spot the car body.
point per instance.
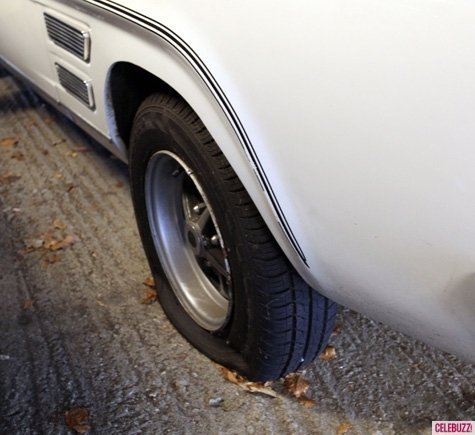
(350, 124)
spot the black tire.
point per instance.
(274, 322)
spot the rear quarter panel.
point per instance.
(360, 114)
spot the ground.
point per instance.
(79, 348)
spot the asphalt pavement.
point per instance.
(80, 351)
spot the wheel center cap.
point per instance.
(194, 237)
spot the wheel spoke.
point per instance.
(187, 207)
(215, 264)
(203, 218)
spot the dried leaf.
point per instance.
(18, 155)
(307, 402)
(70, 188)
(27, 304)
(58, 174)
(149, 297)
(8, 142)
(241, 381)
(328, 354)
(32, 244)
(48, 242)
(260, 387)
(8, 177)
(230, 375)
(59, 225)
(337, 330)
(296, 385)
(149, 282)
(65, 243)
(76, 419)
(51, 259)
(343, 428)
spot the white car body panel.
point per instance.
(360, 115)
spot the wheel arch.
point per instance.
(128, 85)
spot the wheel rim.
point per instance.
(188, 240)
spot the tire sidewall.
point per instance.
(158, 129)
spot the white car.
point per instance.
(276, 149)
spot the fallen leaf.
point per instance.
(337, 330)
(58, 174)
(49, 242)
(241, 381)
(149, 297)
(8, 177)
(59, 225)
(8, 142)
(296, 385)
(33, 244)
(230, 375)
(343, 428)
(51, 259)
(70, 188)
(27, 304)
(18, 155)
(149, 282)
(62, 244)
(260, 387)
(307, 402)
(76, 419)
(328, 354)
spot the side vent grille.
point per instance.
(76, 86)
(69, 38)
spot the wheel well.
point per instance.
(129, 85)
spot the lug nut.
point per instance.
(198, 208)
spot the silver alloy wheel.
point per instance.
(188, 240)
